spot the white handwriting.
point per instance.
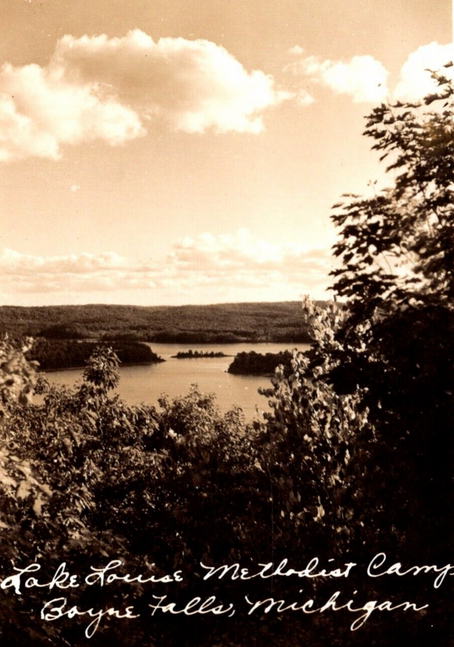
(193, 607)
(375, 569)
(311, 570)
(308, 607)
(61, 579)
(55, 609)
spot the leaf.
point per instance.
(24, 489)
(38, 505)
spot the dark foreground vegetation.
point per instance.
(252, 363)
(353, 464)
(226, 323)
(70, 353)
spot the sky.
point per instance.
(176, 152)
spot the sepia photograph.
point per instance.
(226, 323)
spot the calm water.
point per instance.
(174, 376)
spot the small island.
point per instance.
(252, 363)
(197, 354)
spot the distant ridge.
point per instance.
(217, 323)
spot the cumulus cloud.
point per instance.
(415, 80)
(366, 80)
(194, 85)
(95, 87)
(40, 111)
(362, 77)
(209, 262)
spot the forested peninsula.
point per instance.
(69, 353)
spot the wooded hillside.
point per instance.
(233, 322)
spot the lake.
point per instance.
(144, 384)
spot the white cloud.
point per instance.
(39, 111)
(415, 81)
(74, 188)
(366, 80)
(244, 252)
(296, 50)
(362, 77)
(112, 88)
(194, 85)
(15, 262)
(303, 98)
(206, 262)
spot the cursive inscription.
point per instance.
(310, 606)
(267, 570)
(34, 576)
(58, 608)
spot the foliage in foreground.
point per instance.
(355, 456)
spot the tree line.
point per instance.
(222, 323)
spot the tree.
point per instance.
(397, 276)
(366, 415)
(306, 442)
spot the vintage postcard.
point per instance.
(226, 323)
